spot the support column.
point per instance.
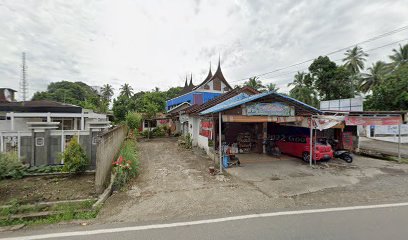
(1, 142)
(399, 142)
(311, 140)
(220, 139)
(19, 146)
(265, 135)
(12, 121)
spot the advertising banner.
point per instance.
(206, 128)
(364, 121)
(270, 109)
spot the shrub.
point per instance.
(75, 159)
(10, 166)
(127, 164)
(133, 120)
(145, 133)
(159, 131)
(186, 141)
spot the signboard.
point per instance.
(347, 140)
(206, 128)
(349, 104)
(39, 141)
(364, 121)
(270, 109)
(390, 130)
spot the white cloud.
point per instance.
(156, 43)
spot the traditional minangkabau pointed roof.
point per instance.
(185, 84)
(191, 81)
(218, 74)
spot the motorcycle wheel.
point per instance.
(347, 158)
(306, 157)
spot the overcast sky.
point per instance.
(156, 43)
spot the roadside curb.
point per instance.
(106, 194)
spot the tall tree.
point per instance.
(373, 77)
(271, 87)
(392, 93)
(126, 90)
(354, 60)
(303, 89)
(107, 92)
(330, 79)
(254, 82)
(354, 63)
(400, 56)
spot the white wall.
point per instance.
(203, 143)
(388, 133)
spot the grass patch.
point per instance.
(27, 214)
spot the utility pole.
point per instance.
(23, 81)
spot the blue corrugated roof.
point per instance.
(239, 100)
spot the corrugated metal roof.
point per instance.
(239, 100)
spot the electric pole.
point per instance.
(23, 82)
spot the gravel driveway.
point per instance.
(174, 184)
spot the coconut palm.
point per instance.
(303, 90)
(374, 76)
(126, 90)
(107, 92)
(254, 82)
(354, 60)
(271, 87)
(400, 56)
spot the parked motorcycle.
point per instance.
(340, 153)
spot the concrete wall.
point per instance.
(108, 146)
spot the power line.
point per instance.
(336, 60)
(331, 53)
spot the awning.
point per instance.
(259, 119)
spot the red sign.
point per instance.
(374, 121)
(206, 128)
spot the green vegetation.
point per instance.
(77, 93)
(11, 166)
(185, 141)
(133, 120)
(55, 213)
(149, 103)
(127, 164)
(75, 159)
(385, 83)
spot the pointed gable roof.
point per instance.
(218, 74)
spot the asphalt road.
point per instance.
(384, 147)
(378, 222)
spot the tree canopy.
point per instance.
(76, 93)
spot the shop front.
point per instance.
(245, 125)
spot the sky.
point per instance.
(157, 43)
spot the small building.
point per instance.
(39, 130)
(212, 86)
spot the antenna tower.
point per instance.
(23, 82)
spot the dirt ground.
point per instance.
(47, 188)
(175, 185)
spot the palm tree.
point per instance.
(374, 76)
(254, 82)
(271, 87)
(126, 90)
(354, 60)
(107, 92)
(400, 56)
(303, 90)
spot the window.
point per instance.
(153, 123)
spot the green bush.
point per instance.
(127, 164)
(75, 159)
(133, 120)
(159, 131)
(10, 166)
(186, 141)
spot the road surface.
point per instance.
(388, 148)
(360, 222)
